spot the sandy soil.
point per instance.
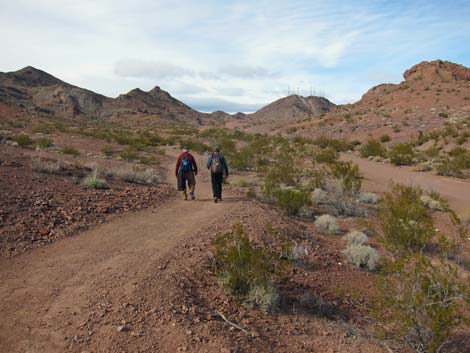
(379, 176)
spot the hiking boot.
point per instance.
(193, 197)
(216, 199)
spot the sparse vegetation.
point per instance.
(93, 181)
(246, 270)
(23, 140)
(327, 225)
(405, 223)
(373, 148)
(402, 154)
(70, 150)
(362, 256)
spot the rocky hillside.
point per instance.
(290, 109)
(37, 90)
(433, 95)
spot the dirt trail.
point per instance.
(378, 177)
(47, 293)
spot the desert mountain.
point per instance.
(292, 108)
(37, 90)
(432, 95)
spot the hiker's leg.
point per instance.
(191, 183)
(214, 184)
(221, 185)
(218, 193)
(184, 195)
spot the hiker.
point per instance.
(186, 171)
(218, 167)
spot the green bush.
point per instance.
(402, 154)
(44, 142)
(107, 150)
(70, 150)
(93, 181)
(327, 155)
(404, 220)
(349, 176)
(129, 154)
(292, 200)
(372, 148)
(23, 140)
(385, 138)
(245, 268)
(419, 303)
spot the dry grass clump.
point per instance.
(134, 175)
(47, 166)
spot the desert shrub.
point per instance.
(327, 155)
(419, 302)
(246, 270)
(44, 142)
(282, 174)
(264, 297)
(385, 138)
(251, 193)
(292, 200)
(402, 154)
(135, 175)
(46, 166)
(327, 224)
(430, 203)
(242, 182)
(372, 148)
(404, 220)
(341, 202)
(362, 256)
(107, 150)
(355, 238)
(148, 160)
(449, 167)
(23, 140)
(70, 150)
(319, 196)
(338, 145)
(129, 154)
(93, 181)
(368, 197)
(349, 176)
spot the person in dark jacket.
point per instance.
(186, 171)
(218, 167)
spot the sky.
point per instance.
(232, 55)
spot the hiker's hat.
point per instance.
(185, 148)
(217, 149)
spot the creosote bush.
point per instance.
(247, 270)
(70, 150)
(419, 302)
(327, 224)
(23, 140)
(292, 200)
(135, 175)
(402, 154)
(404, 220)
(373, 148)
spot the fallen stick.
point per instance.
(230, 322)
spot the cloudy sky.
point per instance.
(232, 55)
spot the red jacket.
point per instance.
(191, 160)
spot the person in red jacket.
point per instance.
(186, 171)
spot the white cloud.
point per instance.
(150, 69)
(226, 51)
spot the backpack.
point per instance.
(216, 165)
(186, 164)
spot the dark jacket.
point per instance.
(222, 160)
(191, 160)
